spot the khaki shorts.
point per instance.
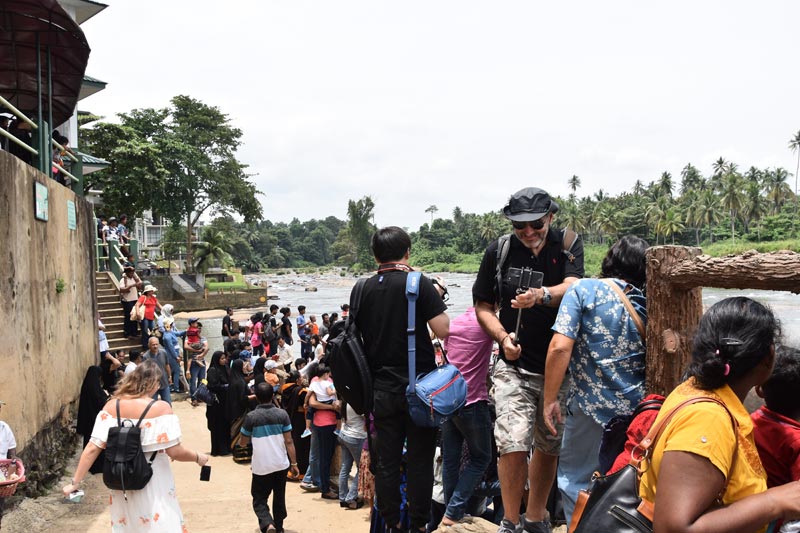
(519, 401)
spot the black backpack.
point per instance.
(348, 360)
(126, 467)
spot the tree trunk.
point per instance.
(774, 271)
(189, 267)
(697, 235)
(672, 316)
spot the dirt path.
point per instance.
(222, 505)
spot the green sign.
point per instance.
(40, 197)
(72, 222)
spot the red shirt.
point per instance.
(149, 303)
(193, 335)
(778, 441)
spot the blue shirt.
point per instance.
(608, 359)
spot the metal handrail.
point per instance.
(65, 151)
(16, 112)
(67, 174)
(11, 137)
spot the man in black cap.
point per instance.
(519, 372)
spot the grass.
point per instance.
(727, 247)
(238, 283)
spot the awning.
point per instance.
(21, 21)
(92, 163)
(90, 86)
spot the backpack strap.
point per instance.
(571, 237)
(119, 420)
(149, 405)
(629, 306)
(412, 293)
(503, 245)
(355, 300)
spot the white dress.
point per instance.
(154, 508)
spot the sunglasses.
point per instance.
(536, 224)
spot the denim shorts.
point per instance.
(519, 401)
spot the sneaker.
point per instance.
(542, 526)
(336, 432)
(306, 433)
(309, 487)
(506, 526)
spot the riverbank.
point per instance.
(222, 504)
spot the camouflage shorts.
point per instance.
(519, 401)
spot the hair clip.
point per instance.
(727, 369)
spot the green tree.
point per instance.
(212, 251)
(794, 145)
(360, 229)
(432, 210)
(173, 243)
(574, 183)
(670, 224)
(776, 188)
(732, 198)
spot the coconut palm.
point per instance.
(212, 251)
(709, 211)
(794, 145)
(691, 179)
(732, 198)
(432, 210)
(776, 188)
(693, 214)
(665, 184)
(670, 224)
(574, 183)
(754, 207)
(490, 227)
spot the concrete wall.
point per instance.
(47, 339)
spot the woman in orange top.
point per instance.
(704, 476)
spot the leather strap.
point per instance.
(628, 305)
(657, 429)
(412, 293)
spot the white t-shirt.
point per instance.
(130, 367)
(320, 388)
(7, 440)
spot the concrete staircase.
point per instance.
(111, 312)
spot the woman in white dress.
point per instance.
(154, 508)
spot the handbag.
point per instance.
(203, 394)
(436, 396)
(137, 317)
(612, 503)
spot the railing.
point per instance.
(43, 150)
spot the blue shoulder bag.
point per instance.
(436, 396)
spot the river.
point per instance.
(333, 291)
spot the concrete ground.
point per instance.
(221, 505)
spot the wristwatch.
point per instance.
(546, 296)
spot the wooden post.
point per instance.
(675, 277)
(672, 316)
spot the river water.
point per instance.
(332, 291)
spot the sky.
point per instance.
(461, 103)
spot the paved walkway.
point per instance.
(222, 505)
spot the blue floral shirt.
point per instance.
(608, 359)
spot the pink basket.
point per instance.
(8, 488)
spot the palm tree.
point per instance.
(671, 224)
(432, 210)
(776, 188)
(709, 211)
(665, 184)
(691, 179)
(638, 188)
(732, 198)
(213, 250)
(754, 207)
(794, 145)
(694, 211)
(574, 183)
(490, 227)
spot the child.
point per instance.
(245, 354)
(271, 375)
(323, 388)
(777, 424)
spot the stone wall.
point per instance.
(47, 327)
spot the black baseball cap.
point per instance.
(529, 204)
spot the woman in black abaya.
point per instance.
(218, 423)
(237, 401)
(92, 400)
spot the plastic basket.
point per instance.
(8, 488)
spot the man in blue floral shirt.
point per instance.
(598, 339)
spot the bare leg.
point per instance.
(511, 471)
(541, 474)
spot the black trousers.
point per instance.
(131, 327)
(393, 426)
(260, 489)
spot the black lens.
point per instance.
(536, 224)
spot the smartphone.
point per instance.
(205, 473)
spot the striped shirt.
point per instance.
(265, 425)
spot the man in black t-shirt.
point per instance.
(519, 372)
(227, 325)
(382, 319)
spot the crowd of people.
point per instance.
(548, 364)
(21, 130)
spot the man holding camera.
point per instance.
(537, 267)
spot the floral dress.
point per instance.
(154, 508)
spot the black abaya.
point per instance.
(218, 424)
(92, 400)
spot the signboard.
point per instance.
(72, 222)
(40, 199)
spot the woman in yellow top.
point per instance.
(699, 458)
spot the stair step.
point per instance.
(124, 344)
(106, 298)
